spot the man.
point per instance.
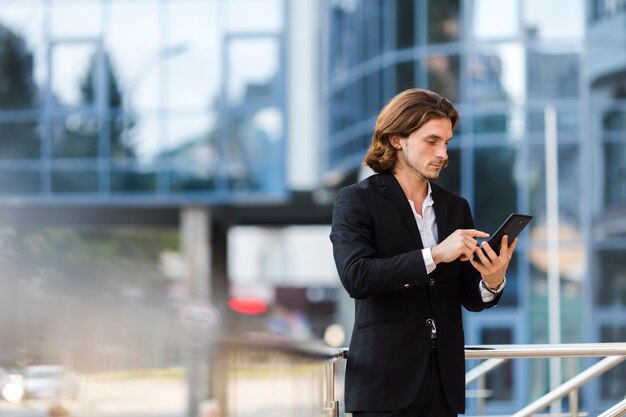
(404, 251)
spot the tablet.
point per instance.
(511, 227)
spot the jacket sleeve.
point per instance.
(363, 272)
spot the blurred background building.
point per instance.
(154, 152)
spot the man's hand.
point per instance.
(460, 244)
(493, 267)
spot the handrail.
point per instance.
(545, 350)
(496, 355)
(574, 383)
(617, 410)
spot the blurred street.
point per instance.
(113, 398)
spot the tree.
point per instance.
(17, 92)
(80, 139)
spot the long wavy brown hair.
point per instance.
(402, 115)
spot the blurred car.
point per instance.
(50, 381)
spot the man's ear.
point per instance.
(394, 140)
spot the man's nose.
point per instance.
(442, 151)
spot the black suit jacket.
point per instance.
(377, 250)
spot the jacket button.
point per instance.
(432, 282)
(429, 322)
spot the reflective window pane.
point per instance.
(405, 76)
(610, 275)
(500, 381)
(568, 178)
(443, 21)
(193, 70)
(539, 15)
(495, 19)
(405, 24)
(450, 177)
(443, 76)
(20, 179)
(70, 178)
(253, 66)
(495, 186)
(495, 73)
(19, 140)
(86, 18)
(252, 15)
(553, 75)
(613, 383)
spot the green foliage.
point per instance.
(17, 92)
(80, 139)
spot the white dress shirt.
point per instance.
(427, 225)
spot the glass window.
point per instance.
(128, 177)
(193, 68)
(450, 177)
(19, 140)
(568, 178)
(613, 172)
(374, 28)
(610, 272)
(405, 24)
(405, 76)
(74, 178)
(539, 16)
(253, 69)
(497, 73)
(70, 19)
(491, 123)
(253, 15)
(499, 381)
(443, 21)
(75, 136)
(495, 19)
(24, 179)
(74, 79)
(552, 75)
(495, 186)
(443, 76)
(133, 36)
(613, 383)
(373, 93)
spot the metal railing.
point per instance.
(496, 355)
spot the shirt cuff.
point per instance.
(429, 262)
(484, 294)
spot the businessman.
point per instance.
(404, 249)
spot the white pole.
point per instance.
(552, 229)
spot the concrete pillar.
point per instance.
(194, 231)
(195, 239)
(204, 248)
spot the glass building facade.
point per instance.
(503, 63)
(149, 101)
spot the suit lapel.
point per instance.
(392, 190)
(441, 214)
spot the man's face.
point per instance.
(424, 152)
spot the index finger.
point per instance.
(476, 233)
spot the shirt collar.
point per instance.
(428, 201)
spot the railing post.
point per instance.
(573, 403)
(481, 400)
(331, 407)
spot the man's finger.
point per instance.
(489, 251)
(476, 233)
(481, 255)
(504, 247)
